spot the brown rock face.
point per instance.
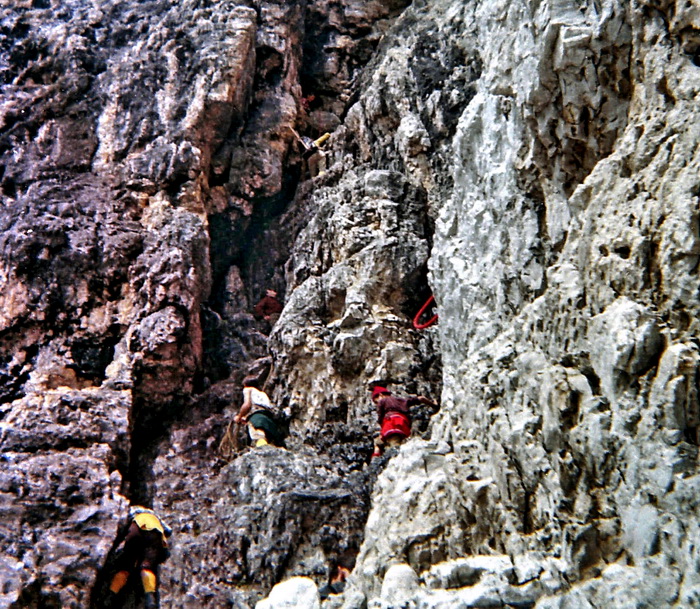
(148, 156)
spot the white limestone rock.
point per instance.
(399, 587)
(625, 338)
(561, 263)
(294, 593)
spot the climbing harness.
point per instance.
(416, 320)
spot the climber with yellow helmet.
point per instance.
(145, 547)
(312, 152)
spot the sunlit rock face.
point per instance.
(533, 165)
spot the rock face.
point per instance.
(532, 165)
(553, 252)
(267, 513)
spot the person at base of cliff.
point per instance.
(337, 583)
(145, 547)
(257, 411)
(394, 416)
(268, 308)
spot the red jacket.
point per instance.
(391, 403)
(267, 306)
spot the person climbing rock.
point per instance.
(145, 547)
(258, 412)
(337, 583)
(268, 308)
(394, 416)
(314, 155)
(307, 102)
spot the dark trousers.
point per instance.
(142, 550)
(263, 421)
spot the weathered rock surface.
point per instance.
(564, 455)
(268, 513)
(295, 592)
(534, 165)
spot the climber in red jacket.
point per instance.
(394, 416)
(268, 308)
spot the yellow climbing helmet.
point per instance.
(147, 520)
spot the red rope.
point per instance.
(416, 320)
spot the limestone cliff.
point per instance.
(532, 164)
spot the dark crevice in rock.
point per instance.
(252, 248)
(92, 354)
(266, 242)
(14, 370)
(149, 430)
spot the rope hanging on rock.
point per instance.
(228, 446)
(416, 320)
